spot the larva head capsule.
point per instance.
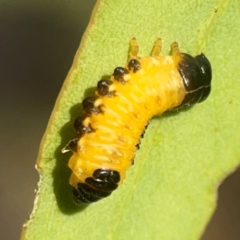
(196, 73)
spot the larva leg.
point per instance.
(157, 48)
(176, 53)
(134, 48)
(175, 49)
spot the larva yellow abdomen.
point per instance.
(114, 118)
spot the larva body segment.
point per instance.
(113, 119)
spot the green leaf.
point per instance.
(170, 192)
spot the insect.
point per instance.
(113, 119)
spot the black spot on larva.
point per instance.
(196, 74)
(119, 73)
(81, 196)
(89, 105)
(78, 121)
(87, 194)
(101, 185)
(80, 128)
(73, 144)
(84, 188)
(134, 65)
(84, 130)
(103, 87)
(106, 175)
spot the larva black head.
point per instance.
(196, 73)
(100, 185)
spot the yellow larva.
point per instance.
(113, 119)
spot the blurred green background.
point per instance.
(37, 45)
